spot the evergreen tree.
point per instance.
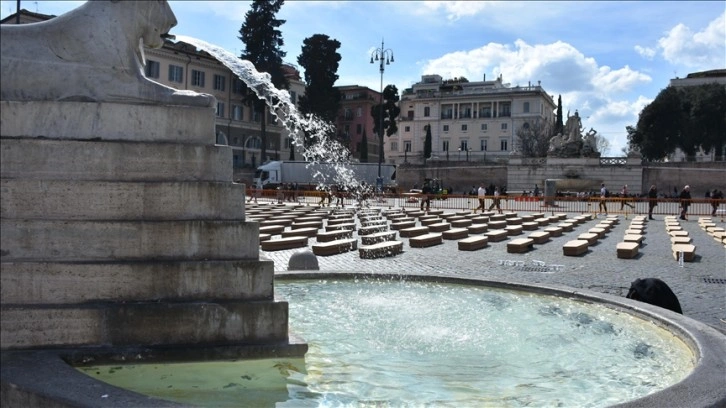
(559, 124)
(427, 142)
(320, 60)
(263, 43)
(390, 113)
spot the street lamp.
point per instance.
(383, 55)
(467, 153)
(458, 158)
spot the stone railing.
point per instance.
(613, 161)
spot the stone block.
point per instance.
(373, 229)
(473, 243)
(399, 225)
(413, 231)
(439, 227)
(478, 228)
(520, 245)
(380, 250)
(426, 240)
(305, 232)
(378, 237)
(284, 243)
(540, 237)
(328, 236)
(575, 247)
(590, 237)
(513, 230)
(554, 231)
(627, 250)
(455, 233)
(688, 250)
(336, 247)
(496, 235)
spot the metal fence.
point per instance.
(581, 205)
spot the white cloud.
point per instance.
(454, 10)
(702, 50)
(645, 52)
(620, 80)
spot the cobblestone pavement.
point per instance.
(700, 285)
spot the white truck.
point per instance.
(309, 175)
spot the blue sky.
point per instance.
(607, 59)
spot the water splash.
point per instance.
(281, 106)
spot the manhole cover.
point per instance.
(715, 280)
(530, 268)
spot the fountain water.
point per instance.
(324, 150)
(400, 342)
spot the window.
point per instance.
(219, 82)
(348, 114)
(503, 145)
(198, 78)
(253, 142)
(407, 128)
(237, 86)
(176, 73)
(485, 111)
(152, 69)
(346, 130)
(505, 109)
(447, 112)
(427, 111)
(446, 128)
(407, 146)
(220, 109)
(464, 128)
(526, 107)
(465, 112)
(464, 145)
(504, 126)
(237, 112)
(359, 112)
(358, 129)
(483, 127)
(288, 143)
(394, 146)
(445, 146)
(256, 116)
(483, 145)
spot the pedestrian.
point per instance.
(716, 195)
(426, 195)
(253, 193)
(602, 207)
(481, 195)
(652, 201)
(536, 190)
(624, 197)
(685, 197)
(495, 201)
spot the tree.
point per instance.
(559, 125)
(533, 139)
(427, 142)
(390, 113)
(320, 60)
(263, 43)
(364, 148)
(689, 118)
(602, 144)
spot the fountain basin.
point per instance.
(702, 387)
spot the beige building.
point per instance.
(474, 121)
(182, 66)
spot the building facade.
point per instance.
(182, 66)
(354, 120)
(470, 121)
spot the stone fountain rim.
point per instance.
(43, 377)
(703, 387)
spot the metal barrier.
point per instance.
(580, 205)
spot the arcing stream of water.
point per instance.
(324, 149)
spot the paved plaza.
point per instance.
(700, 285)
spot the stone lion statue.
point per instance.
(93, 53)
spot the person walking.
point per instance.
(652, 201)
(602, 207)
(716, 196)
(685, 197)
(495, 201)
(481, 195)
(426, 192)
(624, 198)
